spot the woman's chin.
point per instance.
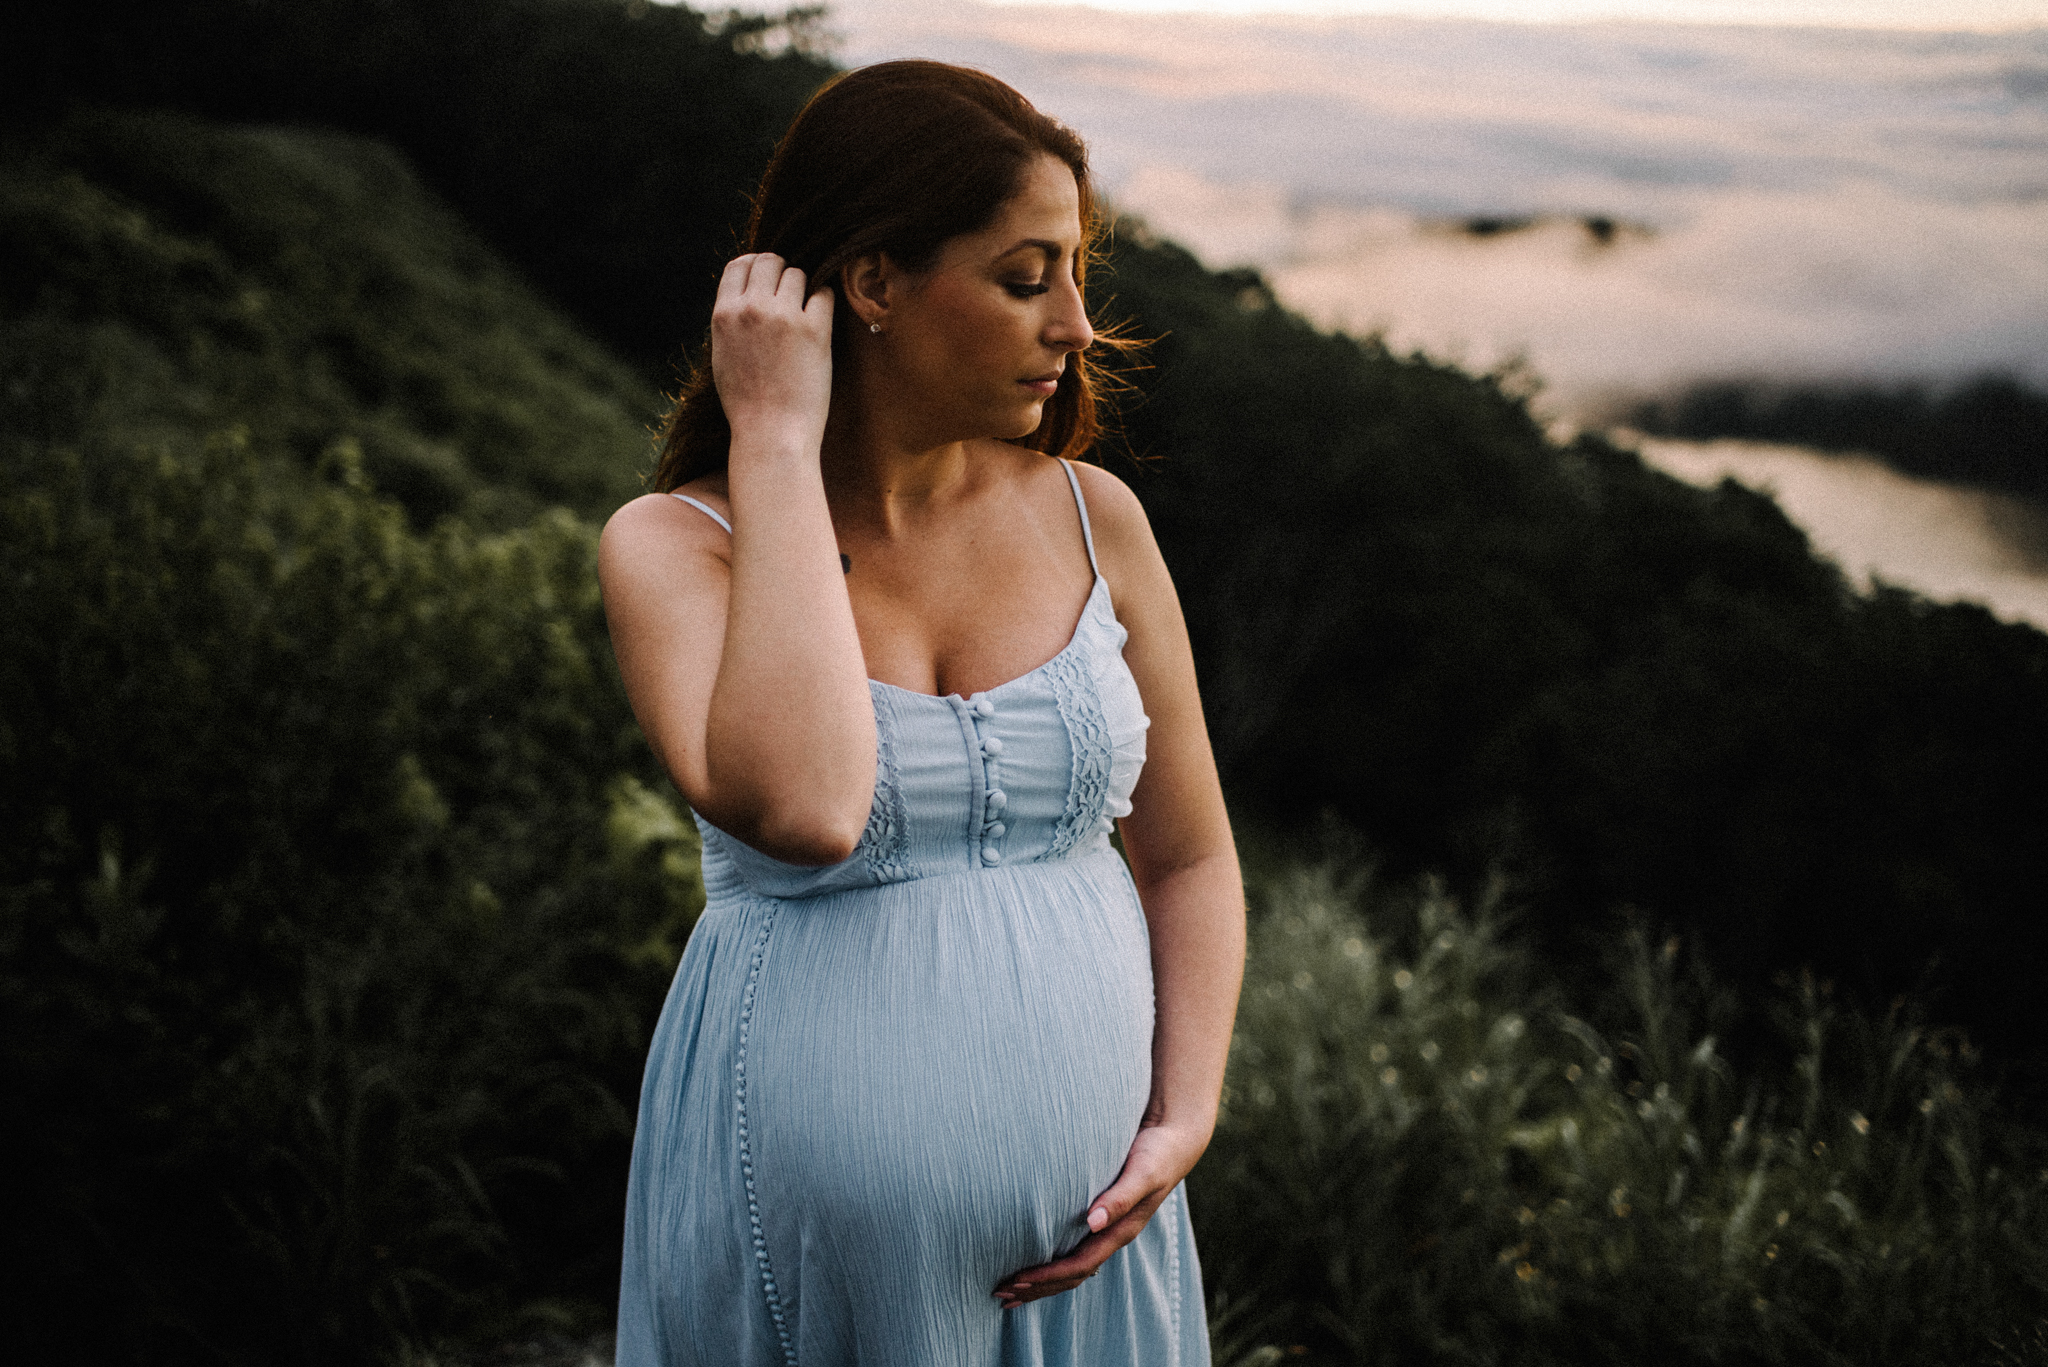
(1025, 423)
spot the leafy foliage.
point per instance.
(605, 146)
(339, 889)
(301, 286)
(1426, 1157)
(345, 900)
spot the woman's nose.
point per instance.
(1069, 329)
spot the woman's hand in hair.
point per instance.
(771, 351)
(740, 654)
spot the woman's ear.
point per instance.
(865, 281)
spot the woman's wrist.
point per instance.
(790, 445)
(1191, 1119)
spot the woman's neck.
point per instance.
(877, 472)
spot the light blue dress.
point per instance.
(878, 1088)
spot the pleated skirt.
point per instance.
(864, 1109)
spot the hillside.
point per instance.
(338, 887)
(165, 274)
(604, 147)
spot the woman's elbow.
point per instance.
(811, 816)
(813, 839)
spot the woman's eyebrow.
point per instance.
(1053, 250)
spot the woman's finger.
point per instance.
(1079, 1265)
(764, 271)
(818, 308)
(734, 280)
(1064, 1274)
(1131, 1186)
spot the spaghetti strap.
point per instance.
(713, 514)
(1081, 504)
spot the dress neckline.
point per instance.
(1073, 639)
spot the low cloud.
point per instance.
(1815, 284)
(1818, 202)
(1662, 203)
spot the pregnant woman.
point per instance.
(936, 1060)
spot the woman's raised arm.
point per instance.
(740, 655)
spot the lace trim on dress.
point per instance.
(1179, 1193)
(885, 843)
(1080, 706)
(768, 1290)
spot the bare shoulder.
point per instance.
(663, 518)
(1123, 534)
(654, 536)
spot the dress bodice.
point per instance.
(1034, 769)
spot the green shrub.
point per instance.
(606, 147)
(340, 897)
(1425, 1156)
(302, 286)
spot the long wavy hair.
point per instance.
(900, 157)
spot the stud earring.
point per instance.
(874, 327)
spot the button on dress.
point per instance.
(879, 1087)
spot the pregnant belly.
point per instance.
(941, 1074)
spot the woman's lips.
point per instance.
(1044, 388)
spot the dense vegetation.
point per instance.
(604, 146)
(1489, 653)
(1427, 1154)
(1991, 432)
(162, 277)
(339, 891)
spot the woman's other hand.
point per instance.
(771, 352)
(1159, 1158)
(1177, 841)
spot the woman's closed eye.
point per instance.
(1027, 289)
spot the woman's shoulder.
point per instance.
(1115, 514)
(654, 527)
(675, 506)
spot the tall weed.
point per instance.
(1426, 1154)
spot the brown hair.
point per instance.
(900, 158)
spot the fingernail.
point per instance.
(1020, 1286)
(1098, 1218)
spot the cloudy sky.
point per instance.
(1822, 202)
(1924, 14)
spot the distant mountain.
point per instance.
(1991, 432)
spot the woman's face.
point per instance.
(978, 341)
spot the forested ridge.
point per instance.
(1991, 431)
(340, 891)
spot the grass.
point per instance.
(1428, 1154)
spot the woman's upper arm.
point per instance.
(666, 574)
(1177, 816)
